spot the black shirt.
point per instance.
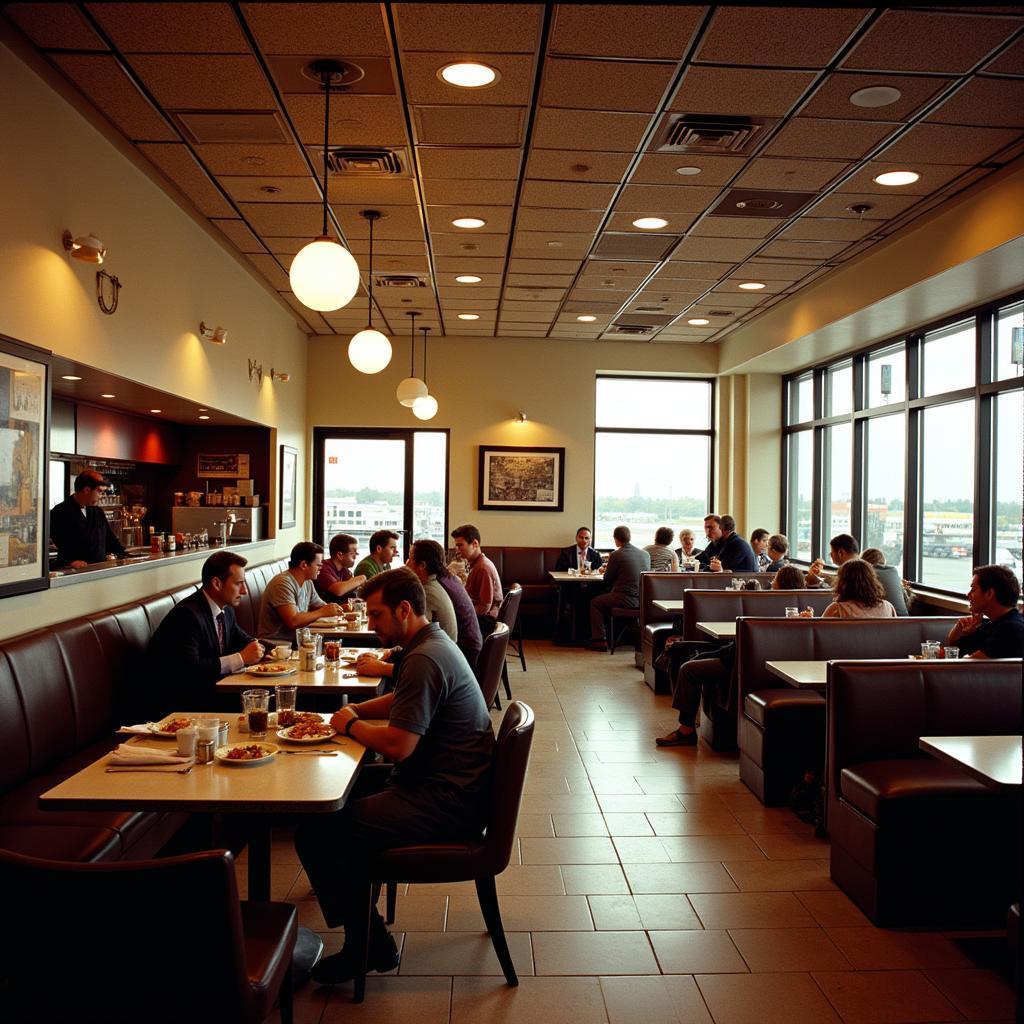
(997, 638)
(81, 538)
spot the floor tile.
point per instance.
(420, 912)
(534, 825)
(615, 913)
(593, 953)
(654, 878)
(425, 1000)
(751, 910)
(641, 850)
(697, 952)
(885, 997)
(579, 1000)
(978, 995)
(626, 824)
(579, 850)
(596, 879)
(832, 909)
(617, 804)
(579, 825)
(654, 1000)
(694, 823)
(790, 846)
(453, 953)
(663, 912)
(523, 913)
(773, 950)
(780, 875)
(683, 849)
(885, 949)
(765, 999)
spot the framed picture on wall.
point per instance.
(24, 440)
(289, 487)
(521, 479)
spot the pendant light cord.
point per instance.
(327, 122)
(424, 330)
(369, 290)
(412, 342)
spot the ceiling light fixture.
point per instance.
(69, 376)
(698, 321)
(108, 396)
(650, 223)
(412, 387)
(467, 74)
(425, 407)
(752, 286)
(468, 223)
(324, 275)
(85, 248)
(156, 410)
(688, 171)
(586, 319)
(875, 96)
(893, 179)
(521, 416)
(468, 279)
(369, 351)
(217, 335)
(204, 417)
(469, 316)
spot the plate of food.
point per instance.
(308, 728)
(245, 754)
(272, 668)
(169, 727)
(329, 620)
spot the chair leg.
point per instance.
(285, 1005)
(519, 643)
(504, 679)
(362, 955)
(392, 893)
(488, 897)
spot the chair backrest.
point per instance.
(491, 660)
(511, 759)
(508, 611)
(115, 965)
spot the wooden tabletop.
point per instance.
(564, 577)
(994, 760)
(805, 675)
(719, 630)
(673, 606)
(308, 783)
(321, 681)
(342, 630)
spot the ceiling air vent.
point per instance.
(398, 281)
(365, 161)
(711, 133)
(632, 329)
(749, 202)
(720, 312)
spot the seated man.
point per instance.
(290, 601)
(695, 677)
(438, 737)
(336, 579)
(759, 545)
(713, 532)
(383, 548)
(778, 550)
(483, 584)
(841, 548)
(199, 640)
(734, 554)
(994, 629)
(429, 557)
(622, 574)
(577, 555)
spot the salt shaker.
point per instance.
(204, 752)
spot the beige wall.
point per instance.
(57, 172)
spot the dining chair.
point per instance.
(508, 612)
(153, 940)
(491, 664)
(479, 860)
(627, 616)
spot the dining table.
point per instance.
(719, 630)
(804, 675)
(342, 682)
(356, 634)
(672, 606)
(992, 760)
(573, 587)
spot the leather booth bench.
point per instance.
(64, 690)
(781, 729)
(916, 841)
(529, 567)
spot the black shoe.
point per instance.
(678, 739)
(341, 967)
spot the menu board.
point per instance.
(223, 467)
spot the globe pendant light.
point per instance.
(412, 387)
(369, 351)
(425, 407)
(324, 274)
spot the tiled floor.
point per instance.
(648, 886)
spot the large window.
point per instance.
(915, 447)
(652, 456)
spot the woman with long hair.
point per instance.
(858, 594)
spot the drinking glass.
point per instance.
(332, 653)
(930, 649)
(303, 637)
(286, 695)
(792, 613)
(186, 739)
(950, 652)
(256, 705)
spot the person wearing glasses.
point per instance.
(79, 527)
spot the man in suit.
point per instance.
(622, 575)
(579, 554)
(199, 640)
(80, 529)
(734, 553)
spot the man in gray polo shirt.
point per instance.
(439, 739)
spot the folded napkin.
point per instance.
(142, 729)
(130, 754)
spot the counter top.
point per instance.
(138, 560)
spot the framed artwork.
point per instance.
(24, 440)
(223, 467)
(521, 479)
(289, 487)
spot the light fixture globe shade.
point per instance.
(425, 408)
(409, 390)
(324, 275)
(369, 351)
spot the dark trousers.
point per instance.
(601, 607)
(691, 681)
(487, 624)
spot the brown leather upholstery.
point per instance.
(491, 662)
(230, 959)
(914, 840)
(508, 613)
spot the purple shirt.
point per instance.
(326, 579)
(470, 638)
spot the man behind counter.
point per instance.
(80, 529)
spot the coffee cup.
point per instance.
(282, 652)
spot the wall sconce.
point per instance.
(280, 375)
(521, 416)
(256, 372)
(218, 335)
(85, 248)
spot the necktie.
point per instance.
(220, 631)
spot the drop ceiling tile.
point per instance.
(776, 275)
(883, 207)
(271, 270)
(567, 195)
(510, 316)
(206, 82)
(252, 159)
(600, 297)
(602, 310)
(610, 132)
(809, 250)
(539, 280)
(604, 85)
(308, 315)
(484, 267)
(655, 32)
(794, 37)
(933, 143)
(102, 81)
(608, 274)
(933, 177)
(470, 126)
(471, 296)
(249, 189)
(822, 138)
(423, 85)
(580, 221)
(830, 229)
(238, 232)
(177, 163)
(285, 246)
(615, 246)
(685, 269)
(739, 91)
(459, 163)
(734, 227)
(349, 30)
(568, 165)
(480, 28)
(529, 305)
(832, 98)
(388, 246)
(715, 249)
(398, 222)
(355, 120)
(985, 102)
(733, 299)
(284, 219)
(664, 200)
(660, 169)
(454, 192)
(560, 244)
(171, 27)
(928, 41)
(371, 192)
(527, 266)
(445, 244)
(498, 219)
(791, 175)
(1009, 62)
(543, 294)
(57, 26)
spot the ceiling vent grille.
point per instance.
(632, 329)
(398, 281)
(711, 133)
(365, 162)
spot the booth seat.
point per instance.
(529, 567)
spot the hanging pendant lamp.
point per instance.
(425, 407)
(412, 387)
(369, 351)
(324, 274)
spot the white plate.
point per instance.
(269, 750)
(162, 732)
(329, 620)
(271, 670)
(283, 734)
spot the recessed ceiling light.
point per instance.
(752, 286)
(554, 245)
(650, 223)
(469, 316)
(156, 410)
(468, 222)
(586, 319)
(894, 178)
(204, 417)
(875, 96)
(468, 74)
(108, 396)
(203, 410)
(698, 321)
(468, 279)
(687, 171)
(69, 376)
